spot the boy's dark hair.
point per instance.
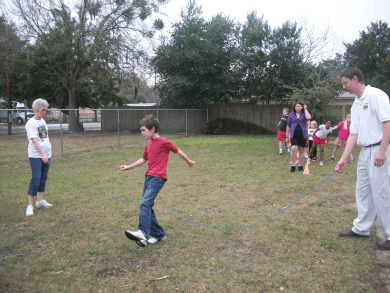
(149, 122)
(351, 72)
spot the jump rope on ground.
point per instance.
(188, 218)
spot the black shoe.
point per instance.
(350, 233)
(383, 246)
(293, 168)
(332, 158)
(300, 168)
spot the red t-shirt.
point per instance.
(156, 153)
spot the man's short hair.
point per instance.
(149, 122)
(351, 72)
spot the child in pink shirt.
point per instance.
(341, 139)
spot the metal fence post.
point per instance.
(186, 123)
(118, 131)
(62, 143)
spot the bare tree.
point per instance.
(93, 37)
(316, 44)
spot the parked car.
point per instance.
(21, 117)
(19, 113)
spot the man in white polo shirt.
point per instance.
(370, 128)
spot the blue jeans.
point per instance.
(39, 173)
(147, 219)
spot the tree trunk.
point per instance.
(8, 82)
(74, 125)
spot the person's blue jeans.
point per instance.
(39, 173)
(147, 219)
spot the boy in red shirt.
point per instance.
(156, 154)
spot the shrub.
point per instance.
(213, 126)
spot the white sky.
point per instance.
(347, 17)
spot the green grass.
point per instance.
(79, 245)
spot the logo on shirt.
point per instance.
(365, 106)
(42, 132)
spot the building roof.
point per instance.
(344, 94)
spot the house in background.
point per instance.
(344, 98)
(344, 101)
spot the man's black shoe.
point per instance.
(383, 246)
(350, 233)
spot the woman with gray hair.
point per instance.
(39, 154)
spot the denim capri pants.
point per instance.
(39, 173)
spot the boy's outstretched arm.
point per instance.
(185, 158)
(134, 165)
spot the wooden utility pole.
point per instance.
(8, 81)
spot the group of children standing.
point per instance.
(316, 135)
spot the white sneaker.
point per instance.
(305, 156)
(154, 240)
(308, 161)
(43, 203)
(137, 236)
(30, 211)
(321, 163)
(296, 162)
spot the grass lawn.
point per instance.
(79, 245)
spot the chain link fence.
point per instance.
(66, 125)
(74, 131)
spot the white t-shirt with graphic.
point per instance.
(311, 132)
(323, 132)
(37, 129)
